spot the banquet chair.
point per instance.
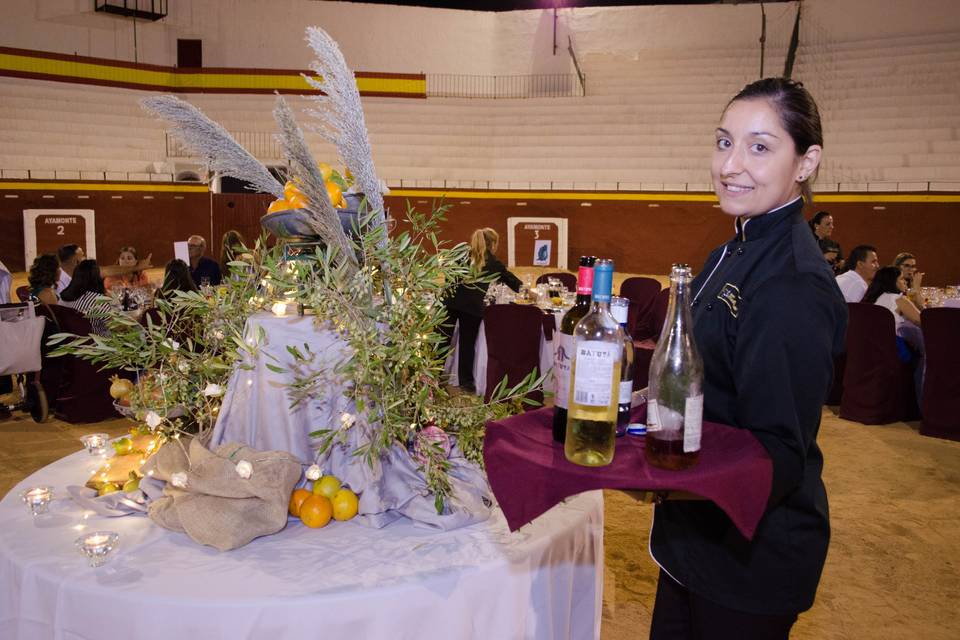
(643, 349)
(76, 389)
(513, 344)
(940, 404)
(642, 293)
(568, 279)
(877, 386)
(23, 293)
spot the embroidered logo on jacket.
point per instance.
(730, 296)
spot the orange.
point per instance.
(316, 511)
(290, 189)
(345, 504)
(325, 170)
(296, 501)
(336, 195)
(326, 486)
(297, 201)
(278, 205)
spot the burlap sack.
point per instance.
(217, 506)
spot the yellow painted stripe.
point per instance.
(653, 197)
(173, 79)
(101, 186)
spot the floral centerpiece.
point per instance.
(381, 293)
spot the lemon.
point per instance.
(326, 486)
(345, 504)
(123, 446)
(108, 487)
(315, 511)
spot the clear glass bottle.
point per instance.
(675, 394)
(619, 308)
(595, 378)
(563, 346)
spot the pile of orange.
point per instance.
(327, 499)
(293, 198)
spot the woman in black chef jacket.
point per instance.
(768, 319)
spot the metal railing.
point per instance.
(261, 144)
(450, 85)
(576, 65)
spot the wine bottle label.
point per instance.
(626, 390)
(585, 281)
(562, 359)
(593, 380)
(692, 423)
(653, 416)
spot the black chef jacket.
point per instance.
(768, 319)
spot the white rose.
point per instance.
(213, 390)
(244, 469)
(179, 480)
(313, 472)
(347, 420)
(153, 419)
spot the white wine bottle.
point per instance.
(595, 378)
(675, 393)
(619, 308)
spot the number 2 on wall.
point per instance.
(59, 229)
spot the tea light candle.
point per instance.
(279, 309)
(97, 546)
(38, 499)
(95, 443)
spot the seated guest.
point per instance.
(887, 290)
(831, 253)
(70, 256)
(907, 263)
(43, 277)
(131, 273)
(176, 277)
(201, 267)
(84, 291)
(6, 280)
(233, 247)
(860, 269)
(466, 306)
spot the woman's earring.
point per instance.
(800, 178)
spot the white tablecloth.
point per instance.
(256, 409)
(480, 359)
(342, 581)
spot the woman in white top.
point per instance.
(887, 290)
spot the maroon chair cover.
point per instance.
(513, 344)
(877, 385)
(642, 355)
(568, 279)
(658, 314)
(642, 293)
(78, 391)
(940, 405)
(23, 293)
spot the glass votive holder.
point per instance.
(97, 546)
(95, 443)
(37, 498)
(279, 308)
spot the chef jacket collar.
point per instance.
(760, 224)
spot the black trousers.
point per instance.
(679, 614)
(469, 330)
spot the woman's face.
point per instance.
(755, 165)
(830, 257)
(825, 228)
(127, 259)
(908, 267)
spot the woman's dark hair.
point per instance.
(232, 246)
(86, 277)
(798, 114)
(817, 219)
(176, 277)
(43, 272)
(885, 281)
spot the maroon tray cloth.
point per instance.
(529, 473)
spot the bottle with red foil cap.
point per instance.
(563, 346)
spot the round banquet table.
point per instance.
(343, 581)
